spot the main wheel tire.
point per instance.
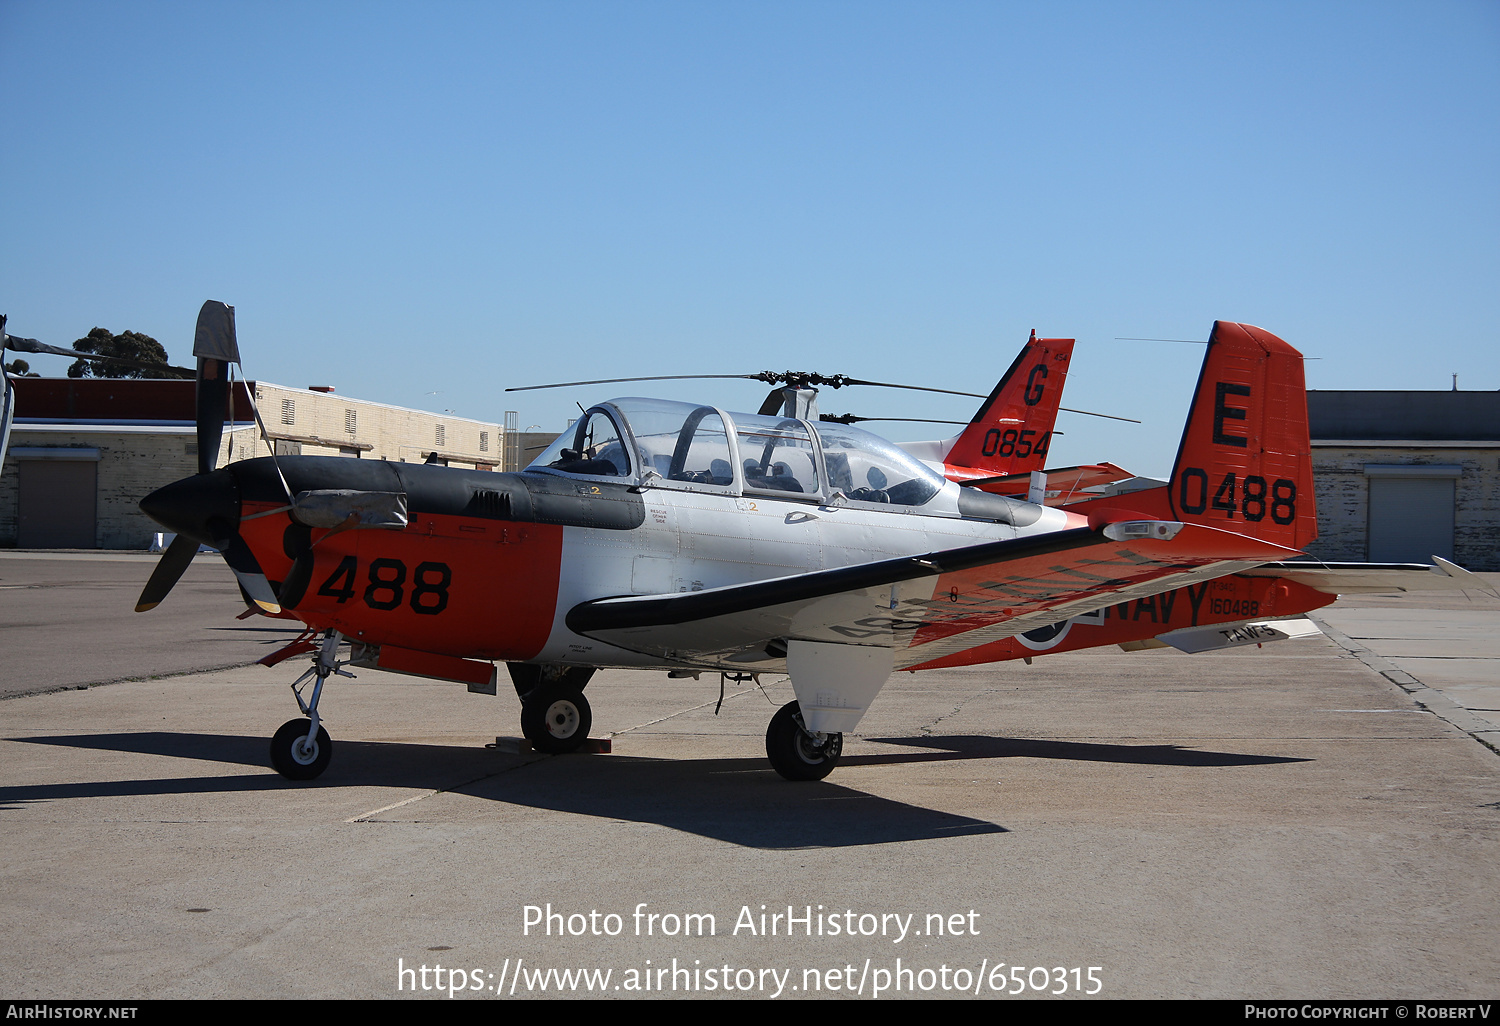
(556, 719)
(796, 754)
(293, 758)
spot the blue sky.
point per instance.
(451, 198)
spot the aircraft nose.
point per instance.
(205, 507)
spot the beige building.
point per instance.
(316, 422)
(84, 451)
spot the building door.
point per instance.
(58, 504)
(1411, 518)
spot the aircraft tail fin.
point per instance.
(1245, 462)
(1012, 431)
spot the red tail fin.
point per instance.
(1012, 431)
(1245, 463)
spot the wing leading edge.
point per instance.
(923, 606)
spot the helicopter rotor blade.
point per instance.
(800, 379)
(849, 418)
(616, 381)
(31, 345)
(1107, 416)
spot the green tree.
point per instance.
(128, 345)
(21, 369)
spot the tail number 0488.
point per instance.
(1253, 501)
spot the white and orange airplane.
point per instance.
(687, 538)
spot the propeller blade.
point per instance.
(169, 568)
(248, 572)
(211, 403)
(216, 347)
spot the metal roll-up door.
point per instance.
(1411, 512)
(58, 503)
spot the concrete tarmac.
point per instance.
(66, 620)
(1288, 822)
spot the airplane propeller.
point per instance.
(204, 509)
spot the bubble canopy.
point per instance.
(664, 444)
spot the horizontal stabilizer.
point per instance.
(1376, 578)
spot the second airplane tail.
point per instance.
(1012, 431)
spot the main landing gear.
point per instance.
(555, 717)
(301, 749)
(798, 753)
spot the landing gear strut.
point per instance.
(301, 749)
(797, 753)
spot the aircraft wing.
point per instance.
(1375, 578)
(924, 606)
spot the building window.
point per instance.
(440, 435)
(351, 421)
(288, 411)
(484, 441)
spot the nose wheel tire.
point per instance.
(294, 757)
(556, 720)
(797, 754)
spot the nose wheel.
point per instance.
(298, 756)
(798, 753)
(556, 719)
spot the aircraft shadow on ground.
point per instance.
(981, 746)
(741, 801)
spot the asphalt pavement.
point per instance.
(1308, 820)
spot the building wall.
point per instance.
(144, 437)
(1344, 497)
(131, 464)
(328, 424)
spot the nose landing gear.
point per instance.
(301, 749)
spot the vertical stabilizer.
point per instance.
(1012, 431)
(1245, 463)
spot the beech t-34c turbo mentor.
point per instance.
(664, 535)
